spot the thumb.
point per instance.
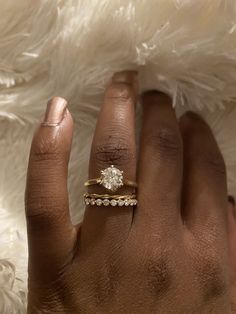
(50, 232)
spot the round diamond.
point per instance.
(112, 178)
(135, 202)
(131, 202)
(87, 201)
(99, 202)
(106, 202)
(121, 202)
(92, 202)
(113, 203)
(127, 202)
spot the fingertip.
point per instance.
(55, 130)
(151, 96)
(122, 86)
(126, 77)
(55, 112)
(191, 120)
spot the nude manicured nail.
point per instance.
(55, 112)
(128, 77)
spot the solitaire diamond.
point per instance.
(112, 178)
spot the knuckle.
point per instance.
(165, 141)
(45, 148)
(104, 283)
(40, 215)
(43, 208)
(215, 163)
(38, 220)
(113, 149)
(158, 273)
(48, 301)
(211, 276)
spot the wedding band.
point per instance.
(125, 201)
(112, 179)
(104, 196)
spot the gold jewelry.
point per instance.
(104, 196)
(113, 200)
(112, 179)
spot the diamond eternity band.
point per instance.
(112, 202)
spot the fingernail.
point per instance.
(231, 199)
(127, 77)
(155, 95)
(194, 116)
(55, 112)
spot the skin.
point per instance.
(172, 253)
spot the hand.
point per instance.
(168, 254)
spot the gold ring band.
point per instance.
(99, 180)
(105, 196)
(112, 202)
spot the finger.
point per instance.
(232, 240)
(113, 144)
(232, 249)
(160, 164)
(232, 253)
(50, 232)
(204, 187)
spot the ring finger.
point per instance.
(113, 144)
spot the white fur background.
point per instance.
(70, 48)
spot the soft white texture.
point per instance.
(70, 48)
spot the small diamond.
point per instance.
(87, 201)
(99, 202)
(106, 202)
(131, 202)
(113, 203)
(127, 202)
(135, 202)
(112, 178)
(121, 202)
(92, 202)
